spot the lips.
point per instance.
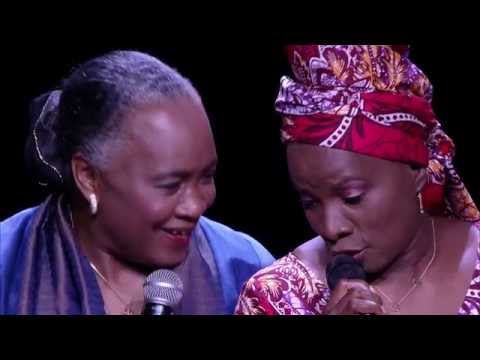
(178, 232)
(360, 255)
(178, 236)
(351, 252)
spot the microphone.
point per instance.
(343, 267)
(163, 289)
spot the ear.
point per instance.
(85, 175)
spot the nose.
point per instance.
(192, 204)
(335, 226)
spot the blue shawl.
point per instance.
(43, 271)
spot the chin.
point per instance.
(169, 260)
(150, 263)
(374, 267)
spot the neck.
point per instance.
(124, 277)
(411, 263)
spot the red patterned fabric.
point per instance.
(372, 100)
(289, 287)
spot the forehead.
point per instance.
(176, 130)
(309, 163)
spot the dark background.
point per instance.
(238, 80)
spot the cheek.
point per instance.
(313, 218)
(142, 207)
(157, 209)
(385, 224)
(210, 194)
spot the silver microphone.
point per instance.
(163, 289)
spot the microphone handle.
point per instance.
(156, 309)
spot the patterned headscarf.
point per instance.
(372, 100)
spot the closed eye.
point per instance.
(353, 200)
(169, 186)
(208, 177)
(307, 203)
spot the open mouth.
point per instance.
(177, 236)
(175, 232)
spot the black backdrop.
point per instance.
(238, 81)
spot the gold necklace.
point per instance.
(127, 310)
(417, 281)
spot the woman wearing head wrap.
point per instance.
(127, 150)
(374, 172)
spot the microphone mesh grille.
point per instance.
(163, 287)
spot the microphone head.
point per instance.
(163, 287)
(343, 267)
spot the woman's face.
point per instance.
(158, 183)
(360, 205)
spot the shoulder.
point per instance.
(314, 254)
(303, 263)
(16, 225)
(458, 242)
(475, 233)
(466, 234)
(477, 226)
(13, 234)
(237, 256)
(261, 293)
(284, 269)
(228, 241)
(285, 287)
(284, 272)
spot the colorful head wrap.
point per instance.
(372, 100)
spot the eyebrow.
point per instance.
(211, 164)
(303, 191)
(349, 179)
